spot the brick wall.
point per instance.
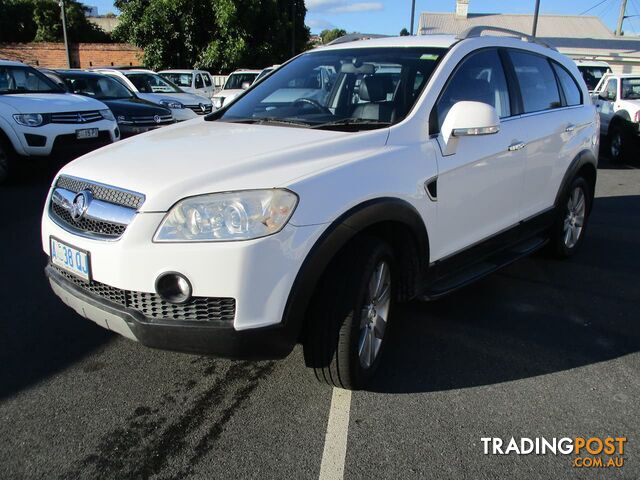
(83, 55)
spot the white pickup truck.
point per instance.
(617, 98)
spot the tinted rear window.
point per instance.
(537, 81)
(570, 89)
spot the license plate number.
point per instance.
(87, 133)
(71, 259)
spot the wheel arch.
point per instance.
(391, 219)
(584, 164)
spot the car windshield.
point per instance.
(23, 79)
(100, 87)
(152, 83)
(343, 89)
(180, 79)
(592, 75)
(631, 88)
(237, 81)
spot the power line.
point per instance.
(596, 5)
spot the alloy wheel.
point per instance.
(574, 219)
(374, 316)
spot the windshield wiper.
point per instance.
(353, 122)
(270, 121)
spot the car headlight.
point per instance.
(108, 115)
(171, 104)
(29, 119)
(219, 217)
(218, 102)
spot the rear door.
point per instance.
(552, 126)
(479, 186)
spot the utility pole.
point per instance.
(413, 14)
(623, 9)
(64, 33)
(293, 28)
(535, 19)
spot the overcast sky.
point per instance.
(390, 16)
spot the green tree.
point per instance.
(331, 35)
(16, 21)
(217, 35)
(40, 21)
(404, 32)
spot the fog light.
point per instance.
(173, 287)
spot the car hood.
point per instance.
(199, 156)
(135, 107)
(229, 93)
(50, 102)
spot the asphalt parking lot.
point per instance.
(543, 348)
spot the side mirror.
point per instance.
(467, 119)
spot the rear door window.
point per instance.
(537, 81)
(572, 95)
(207, 79)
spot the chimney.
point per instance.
(462, 8)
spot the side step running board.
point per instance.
(453, 281)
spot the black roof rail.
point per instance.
(478, 30)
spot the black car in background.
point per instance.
(134, 115)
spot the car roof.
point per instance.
(80, 73)
(246, 70)
(12, 63)
(175, 70)
(622, 75)
(592, 63)
(442, 41)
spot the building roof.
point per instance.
(565, 26)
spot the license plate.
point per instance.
(71, 259)
(87, 133)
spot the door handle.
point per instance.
(517, 146)
(570, 128)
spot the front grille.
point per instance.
(102, 192)
(76, 117)
(199, 110)
(199, 309)
(151, 120)
(105, 229)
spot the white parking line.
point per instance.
(335, 440)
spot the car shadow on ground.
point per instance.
(536, 317)
(39, 336)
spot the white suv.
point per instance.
(197, 82)
(37, 117)
(617, 98)
(430, 163)
(236, 83)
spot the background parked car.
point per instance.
(266, 72)
(592, 71)
(134, 115)
(152, 87)
(38, 117)
(192, 81)
(236, 83)
(617, 98)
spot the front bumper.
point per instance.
(61, 138)
(217, 338)
(131, 130)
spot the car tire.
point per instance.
(6, 159)
(571, 223)
(349, 315)
(618, 142)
